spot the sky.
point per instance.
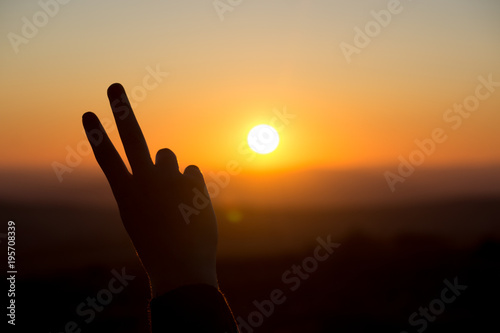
(349, 84)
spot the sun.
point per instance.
(263, 139)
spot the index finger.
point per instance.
(131, 135)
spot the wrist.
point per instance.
(163, 283)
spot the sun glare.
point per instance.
(263, 139)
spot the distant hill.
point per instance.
(306, 188)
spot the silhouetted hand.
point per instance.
(173, 250)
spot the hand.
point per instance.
(175, 250)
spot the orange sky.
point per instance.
(226, 76)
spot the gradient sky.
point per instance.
(227, 76)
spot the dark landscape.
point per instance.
(391, 261)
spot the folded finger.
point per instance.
(193, 173)
(166, 162)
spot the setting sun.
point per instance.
(239, 166)
(263, 139)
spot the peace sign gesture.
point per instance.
(175, 248)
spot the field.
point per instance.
(391, 261)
